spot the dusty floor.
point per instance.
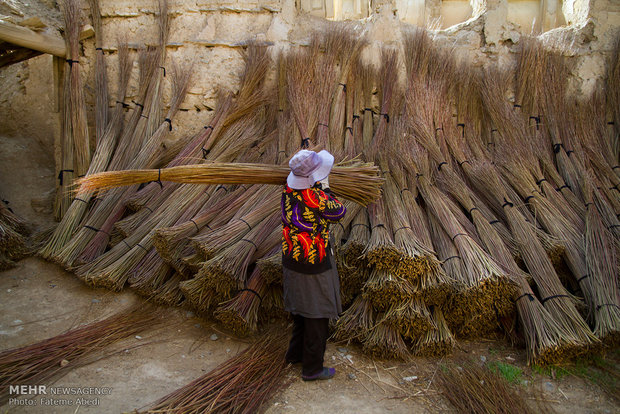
(39, 300)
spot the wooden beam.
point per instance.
(17, 55)
(43, 42)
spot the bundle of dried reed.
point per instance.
(411, 318)
(240, 385)
(380, 250)
(472, 388)
(601, 281)
(355, 322)
(437, 341)
(384, 341)
(79, 123)
(555, 298)
(353, 180)
(106, 144)
(13, 238)
(43, 361)
(240, 314)
(101, 79)
(384, 289)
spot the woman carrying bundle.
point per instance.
(310, 277)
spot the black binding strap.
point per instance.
(197, 228)
(386, 116)
(463, 162)
(246, 223)
(71, 61)
(562, 187)
(606, 304)
(99, 48)
(528, 295)
(360, 224)
(169, 121)
(208, 127)
(79, 199)
(61, 174)
(344, 86)
(472, 209)
(556, 147)
(123, 104)
(252, 291)
(553, 297)
(404, 189)
(158, 181)
(450, 258)
(305, 142)
(378, 225)
(583, 277)
(164, 68)
(507, 203)
(459, 234)
(528, 198)
(205, 152)
(494, 221)
(142, 247)
(341, 226)
(400, 228)
(540, 181)
(323, 125)
(221, 187)
(350, 129)
(441, 164)
(251, 242)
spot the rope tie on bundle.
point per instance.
(441, 164)
(142, 247)
(400, 228)
(463, 162)
(606, 304)
(169, 121)
(350, 129)
(197, 227)
(507, 203)
(79, 199)
(540, 181)
(344, 86)
(528, 295)
(556, 147)
(254, 292)
(164, 69)
(462, 125)
(459, 234)
(562, 187)
(472, 209)
(251, 242)
(123, 104)
(404, 189)
(305, 142)
(61, 173)
(323, 125)
(158, 181)
(450, 258)
(71, 61)
(360, 224)
(96, 230)
(553, 297)
(528, 198)
(205, 152)
(246, 223)
(583, 277)
(386, 116)
(493, 221)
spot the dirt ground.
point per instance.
(39, 300)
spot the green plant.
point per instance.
(511, 373)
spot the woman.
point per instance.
(310, 278)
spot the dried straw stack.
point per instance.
(240, 385)
(14, 234)
(42, 362)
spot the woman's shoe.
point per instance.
(327, 373)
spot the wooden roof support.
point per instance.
(17, 55)
(42, 42)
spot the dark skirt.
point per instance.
(312, 295)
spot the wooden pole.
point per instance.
(42, 42)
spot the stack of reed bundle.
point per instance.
(67, 254)
(384, 341)
(106, 145)
(410, 318)
(13, 238)
(612, 88)
(43, 361)
(241, 384)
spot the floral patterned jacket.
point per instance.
(306, 215)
